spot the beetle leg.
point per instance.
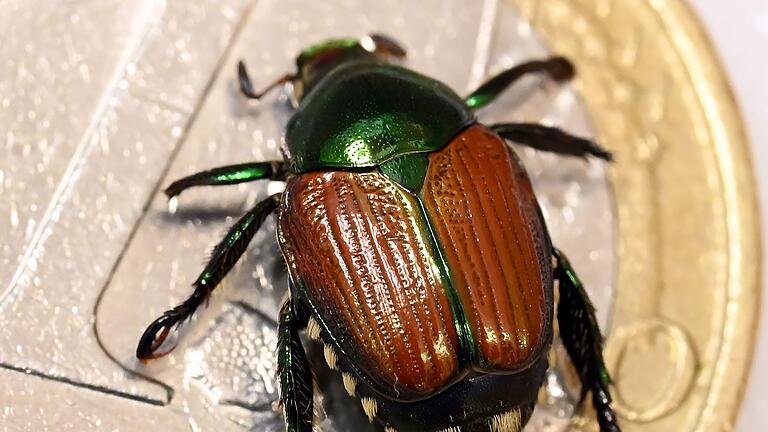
(550, 139)
(223, 258)
(558, 68)
(229, 175)
(246, 86)
(385, 45)
(583, 341)
(293, 369)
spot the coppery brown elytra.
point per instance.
(417, 253)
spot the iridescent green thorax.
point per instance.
(408, 170)
(363, 114)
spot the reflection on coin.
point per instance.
(683, 319)
(664, 239)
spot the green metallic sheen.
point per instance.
(230, 174)
(333, 44)
(477, 101)
(557, 68)
(226, 253)
(467, 353)
(575, 282)
(408, 170)
(250, 173)
(363, 114)
(294, 371)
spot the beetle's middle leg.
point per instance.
(550, 139)
(223, 258)
(557, 68)
(293, 368)
(583, 341)
(229, 175)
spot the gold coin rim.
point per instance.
(738, 197)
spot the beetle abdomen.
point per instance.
(482, 206)
(357, 244)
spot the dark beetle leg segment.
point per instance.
(550, 139)
(558, 68)
(583, 341)
(223, 258)
(293, 369)
(387, 45)
(246, 86)
(229, 175)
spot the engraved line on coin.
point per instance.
(147, 205)
(97, 388)
(483, 43)
(87, 142)
(720, 118)
(719, 137)
(648, 152)
(199, 345)
(643, 340)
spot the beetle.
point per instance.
(416, 249)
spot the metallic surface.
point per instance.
(358, 248)
(315, 61)
(104, 103)
(688, 235)
(484, 213)
(363, 114)
(736, 34)
(405, 284)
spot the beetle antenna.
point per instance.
(246, 86)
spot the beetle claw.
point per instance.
(561, 69)
(154, 337)
(246, 87)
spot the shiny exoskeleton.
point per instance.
(416, 250)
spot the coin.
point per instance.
(686, 309)
(664, 238)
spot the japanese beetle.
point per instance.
(416, 250)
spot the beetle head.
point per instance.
(316, 61)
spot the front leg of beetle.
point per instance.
(223, 258)
(583, 341)
(293, 368)
(229, 175)
(246, 86)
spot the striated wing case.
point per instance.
(355, 243)
(392, 274)
(483, 209)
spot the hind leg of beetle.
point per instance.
(293, 368)
(557, 68)
(583, 341)
(229, 175)
(223, 258)
(550, 139)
